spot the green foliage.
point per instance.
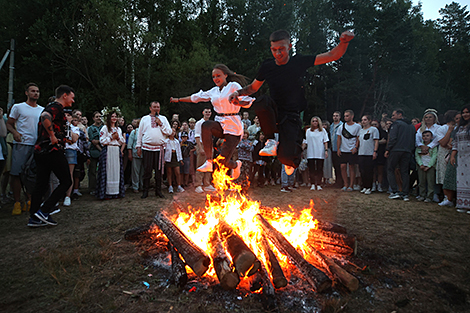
(128, 53)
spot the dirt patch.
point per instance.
(412, 257)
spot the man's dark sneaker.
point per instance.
(45, 217)
(55, 210)
(159, 194)
(35, 222)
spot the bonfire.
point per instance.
(234, 238)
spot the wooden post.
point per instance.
(178, 268)
(272, 264)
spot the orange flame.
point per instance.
(239, 212)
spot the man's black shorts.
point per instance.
(348, 157)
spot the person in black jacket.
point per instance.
(399, 151)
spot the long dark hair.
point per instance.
(108, 120)
(231, 75)
(463, 122)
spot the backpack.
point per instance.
(28, 174)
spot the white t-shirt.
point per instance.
(315, 141)
(219, 98)
(27, 119)
(198, 129)
(367, 147)
(73, 146)
(348, 144)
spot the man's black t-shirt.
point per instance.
(286, 82)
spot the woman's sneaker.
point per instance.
(446, 202)
(270, 149)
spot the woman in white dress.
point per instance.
(110, 170)
(227, 123)
(316, 142)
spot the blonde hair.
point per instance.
(433, 113)
(320, 124)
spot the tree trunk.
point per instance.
(314, 276)
(194, 256)
(243, 258)
(279, 280)
(227, 277)
(178, 268)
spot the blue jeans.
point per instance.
(285, 179)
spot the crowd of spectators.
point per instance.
(422, 158)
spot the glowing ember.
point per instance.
(239, 212)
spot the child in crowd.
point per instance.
(426, 163)
(187, 148)
(173, 159)
(259, 162)
(245, 147)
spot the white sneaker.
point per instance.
(270, 149)
(78, 193)
(356, 187)
(289, 170)
(209, 188)
(462, 210)
(199, 189)
(368, 191)
(446, 202)
(374, 187)
(180, 189)
(313, 187)
(67, 201)
(206, 167)
(170, 189)
(319, 187)
(236, 171)
(363, 190)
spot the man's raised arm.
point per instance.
(338, 51)
(246, 91)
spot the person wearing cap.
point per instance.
(227, 124)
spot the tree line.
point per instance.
(126, 53)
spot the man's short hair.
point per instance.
(75, 115)
(280, 34)
(427, 131)
(152, 102)
(63, 89)
(399, 111)
(26, 87)
(192, 120)
(350, 112)
(337, 112)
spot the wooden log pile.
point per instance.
(233, 259)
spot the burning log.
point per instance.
(332, 227)
(178, 268)
(335, 272)
(268, 294)
(336, 242)
(279, 280)
(194, 256)
(243, 258)
(227, 277)
(314, 276)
